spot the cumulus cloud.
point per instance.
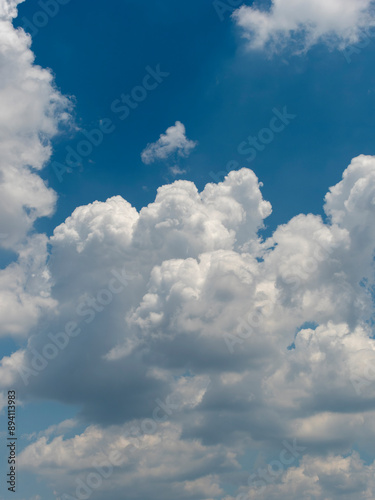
(53, 430)
(302, 24)
(25, 289)
(154, 463)
(174, 141)
(32, 111)
(176, 170)
(332, 477)
(192, 346)
(8, 8)
(183, 307)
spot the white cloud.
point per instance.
(25, 289)
(53, 430)
(31, 113)
(176, 170)
(241, 343)
(8, 8)
(202, 281)
(161, 463)
(173, 141)
(301, 24)
(333, 477)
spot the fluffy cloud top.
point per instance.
(173, 141)
(305, 23)
(31, 111)
(8, 8)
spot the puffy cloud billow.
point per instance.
(173, 142)
(32, 111)
(207, 342)
(207, 362)
(302, 24)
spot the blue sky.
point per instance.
(224, 80)
(219, 91)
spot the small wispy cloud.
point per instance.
(53, 430)
(176, 170)
(173, 141)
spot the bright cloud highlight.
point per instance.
(300, 24)
(174, 141)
